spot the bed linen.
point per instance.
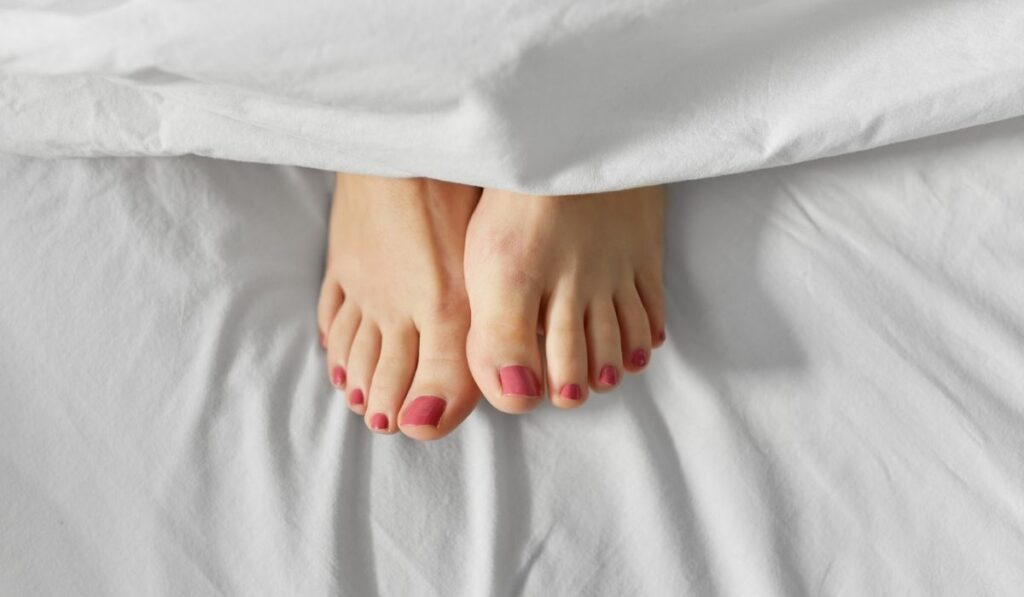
(838, 410)
(552, 96)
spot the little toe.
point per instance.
(503, 352)
(565, 347)
(362, 362)
(331, 298)
(634, 329)
(604, 345)
(652, 295)
(391, 379)
(339, 342)
(442, 393)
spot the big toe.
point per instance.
(442, 393)
(502, 348)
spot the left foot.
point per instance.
(585, 271)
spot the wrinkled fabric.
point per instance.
(547, 96)
(837, 411)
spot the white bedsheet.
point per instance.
(839, 409)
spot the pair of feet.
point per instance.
(437, 292)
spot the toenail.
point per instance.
(609, 375)
(338, 376)
(661, 335)
(379, 421)
(323, 340)
(517, 380)
(639, 358)
(355, 397)
(424, 410)
(570, 391)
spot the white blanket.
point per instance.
(540, 95)
(838, 410)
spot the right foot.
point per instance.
(393, 311)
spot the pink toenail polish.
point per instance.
(609, 375)
(355, 397)
(338, 376)
(661, 335)
(424, 410)
(379, 421)
(323, 340)
(570, 391)
(517, 380)
(639, 357)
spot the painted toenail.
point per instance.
(639, 358)
(609, 375)
(356, 397)
(338, 376)
(661, 335)
(424, 410)
(323, 340)
(379, 421)
(517, 380)
(570, 391)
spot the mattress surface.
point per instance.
(838, 409)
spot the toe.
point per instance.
(442, 393)
(339, 342)
(604, 346)
(391, 379)
(565, 347)
(652, 294)
(634, 329)
(330, 301)
(362, 362)
(502, 348)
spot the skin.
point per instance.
(436, 289)
(583, 271)
(393, 305)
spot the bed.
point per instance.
(838, 409)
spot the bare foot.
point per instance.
(393, 311)
(585, 271)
